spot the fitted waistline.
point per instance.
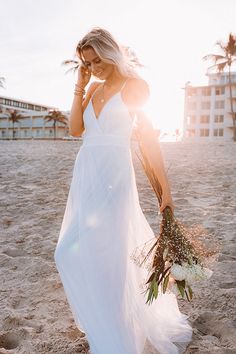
(105, 139)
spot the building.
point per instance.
(32, 125)
(207, 111)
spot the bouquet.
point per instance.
(176, 258)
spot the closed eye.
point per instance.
(96, 61)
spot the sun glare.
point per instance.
(163, 115)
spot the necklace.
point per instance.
(102, 100)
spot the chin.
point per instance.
(100, 76)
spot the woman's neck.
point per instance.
(114, 79)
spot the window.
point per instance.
(15, 103)
(220, 91)
(205, 119)
(3, 132)
(206, 105)
(191, 132)
(204, 132)
(219, 104)
(219, 132)
(192, 105)
(25, 132)
(191, 120)
(206, 91)
(192, 91)
(219, 118)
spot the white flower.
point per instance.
(190, 272)
(196, 273)
(178, 272)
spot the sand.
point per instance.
(35, 178)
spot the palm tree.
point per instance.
(223, 61)
(14, 116)
(56, 117)
(2, 80)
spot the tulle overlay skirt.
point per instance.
(103, 224)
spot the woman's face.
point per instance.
(98, 68)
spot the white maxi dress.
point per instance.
(103, 223)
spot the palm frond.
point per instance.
(2, 81)
(219, 67)
(231, 45)
(56, 116)
(214, 57)
(71, 62)
(222, 46)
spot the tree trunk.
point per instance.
(232, 105)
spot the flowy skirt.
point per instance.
(103, 224)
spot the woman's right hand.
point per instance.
(84, 75)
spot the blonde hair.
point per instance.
(108, 49)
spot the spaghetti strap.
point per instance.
(93, 93)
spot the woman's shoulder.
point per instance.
(93, 86)
(136, 91)
(91, 89)
(89, 92)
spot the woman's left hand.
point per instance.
(167, 201)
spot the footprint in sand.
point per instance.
(212, 324)
(13, 252)
(203, 322)
(9, 340)
(228, 285)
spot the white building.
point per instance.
(207, 113)
(32, 124)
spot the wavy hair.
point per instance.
(108, 49)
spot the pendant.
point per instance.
(102, 100)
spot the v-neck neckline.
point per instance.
(104, 106)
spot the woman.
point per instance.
(103, 221)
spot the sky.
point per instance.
(170, 38)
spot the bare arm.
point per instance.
(136, 97)
(76, 122)
(152, 150)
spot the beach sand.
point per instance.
(34, 182)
